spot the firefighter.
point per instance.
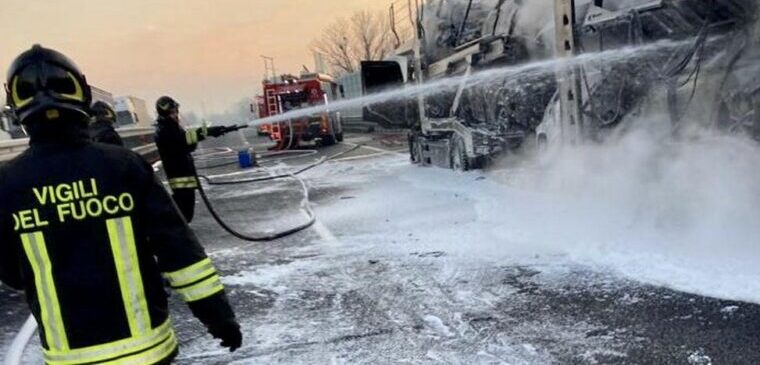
(175, 145)
(87, 231)
(102, 128)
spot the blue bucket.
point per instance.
(246, 159)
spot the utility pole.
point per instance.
(570, 94)
(418, 44)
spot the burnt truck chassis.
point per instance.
(465, 128)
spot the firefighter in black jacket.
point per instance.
(101, 129)
(176, 145)
(88, 232)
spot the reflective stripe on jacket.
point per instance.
(189, 182)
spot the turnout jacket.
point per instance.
(175, 145)
(102, 131)
(88, 232)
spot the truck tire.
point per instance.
(328, 140)
(458, 153)
(339, 137)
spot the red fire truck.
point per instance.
(287, 93)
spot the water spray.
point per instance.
(504, 74)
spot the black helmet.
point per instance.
(43, 83)
(102, 111)
(165, 105)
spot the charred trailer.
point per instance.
(707, 76)
(465, 124)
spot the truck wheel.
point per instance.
(459, 159)
(328, 140)
(339, 137)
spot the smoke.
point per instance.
(237, 113)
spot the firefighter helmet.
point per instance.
(44, 84)
(102, 111)
(165, 105)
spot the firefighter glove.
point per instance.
(229, 332)
(218, 131)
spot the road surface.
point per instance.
(412, 265)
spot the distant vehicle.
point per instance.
(132, 111)
(5, 124)
(287, 93)
(7, 129)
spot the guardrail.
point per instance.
(12, 148)
(139, 140)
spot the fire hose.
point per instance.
(290, 175)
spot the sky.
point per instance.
(205, 53)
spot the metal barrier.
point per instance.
(12, 148)
(139, 140)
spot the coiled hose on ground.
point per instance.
(306, 205)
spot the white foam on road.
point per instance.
(677, 214)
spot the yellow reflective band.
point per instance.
(202, 290)
(78, 94)
(190, 274)
(152, 345)
(17, 101)
(50, 309)
(122, 238)
(191, 137)
(183, 183)
(184, 186)
(150, 357)
(183, 179)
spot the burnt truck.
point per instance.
(464, 124)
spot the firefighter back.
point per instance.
(74, 213)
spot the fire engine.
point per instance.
(287, 93)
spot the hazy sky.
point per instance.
(205, 52)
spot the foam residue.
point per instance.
(691, 205)
(680, 213)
